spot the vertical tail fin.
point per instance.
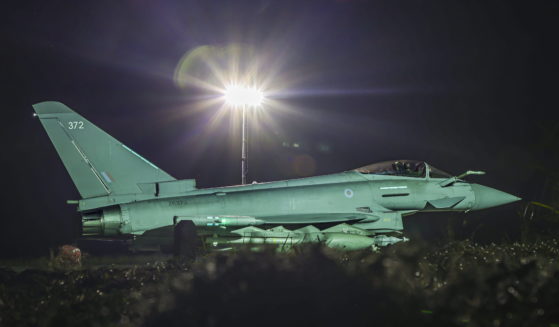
(97, 163)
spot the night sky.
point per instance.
(459, 84)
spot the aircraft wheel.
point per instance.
(187, 242)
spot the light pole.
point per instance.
(244, 158)
(238, 96)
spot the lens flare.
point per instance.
(220, 77)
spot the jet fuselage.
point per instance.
(125, 195)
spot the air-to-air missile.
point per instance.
(124, 196)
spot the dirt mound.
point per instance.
(459, 284)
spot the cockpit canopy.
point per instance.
(408, 168)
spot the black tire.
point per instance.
(187, 243)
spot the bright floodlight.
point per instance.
(238, 96)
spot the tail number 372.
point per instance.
(75, 124)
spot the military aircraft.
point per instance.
(124, 196)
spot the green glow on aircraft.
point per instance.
(126, 196)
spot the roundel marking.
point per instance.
(348, 193)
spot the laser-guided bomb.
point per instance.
(124, 196)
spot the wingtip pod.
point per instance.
(51, 107)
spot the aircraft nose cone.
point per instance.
(487, 197)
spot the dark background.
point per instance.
(459, 84)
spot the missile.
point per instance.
(347, 241)
(216, 221)
(384, 240)
(333, 240)
(215, 241)
(341, 236)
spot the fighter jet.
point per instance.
(124, 196)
